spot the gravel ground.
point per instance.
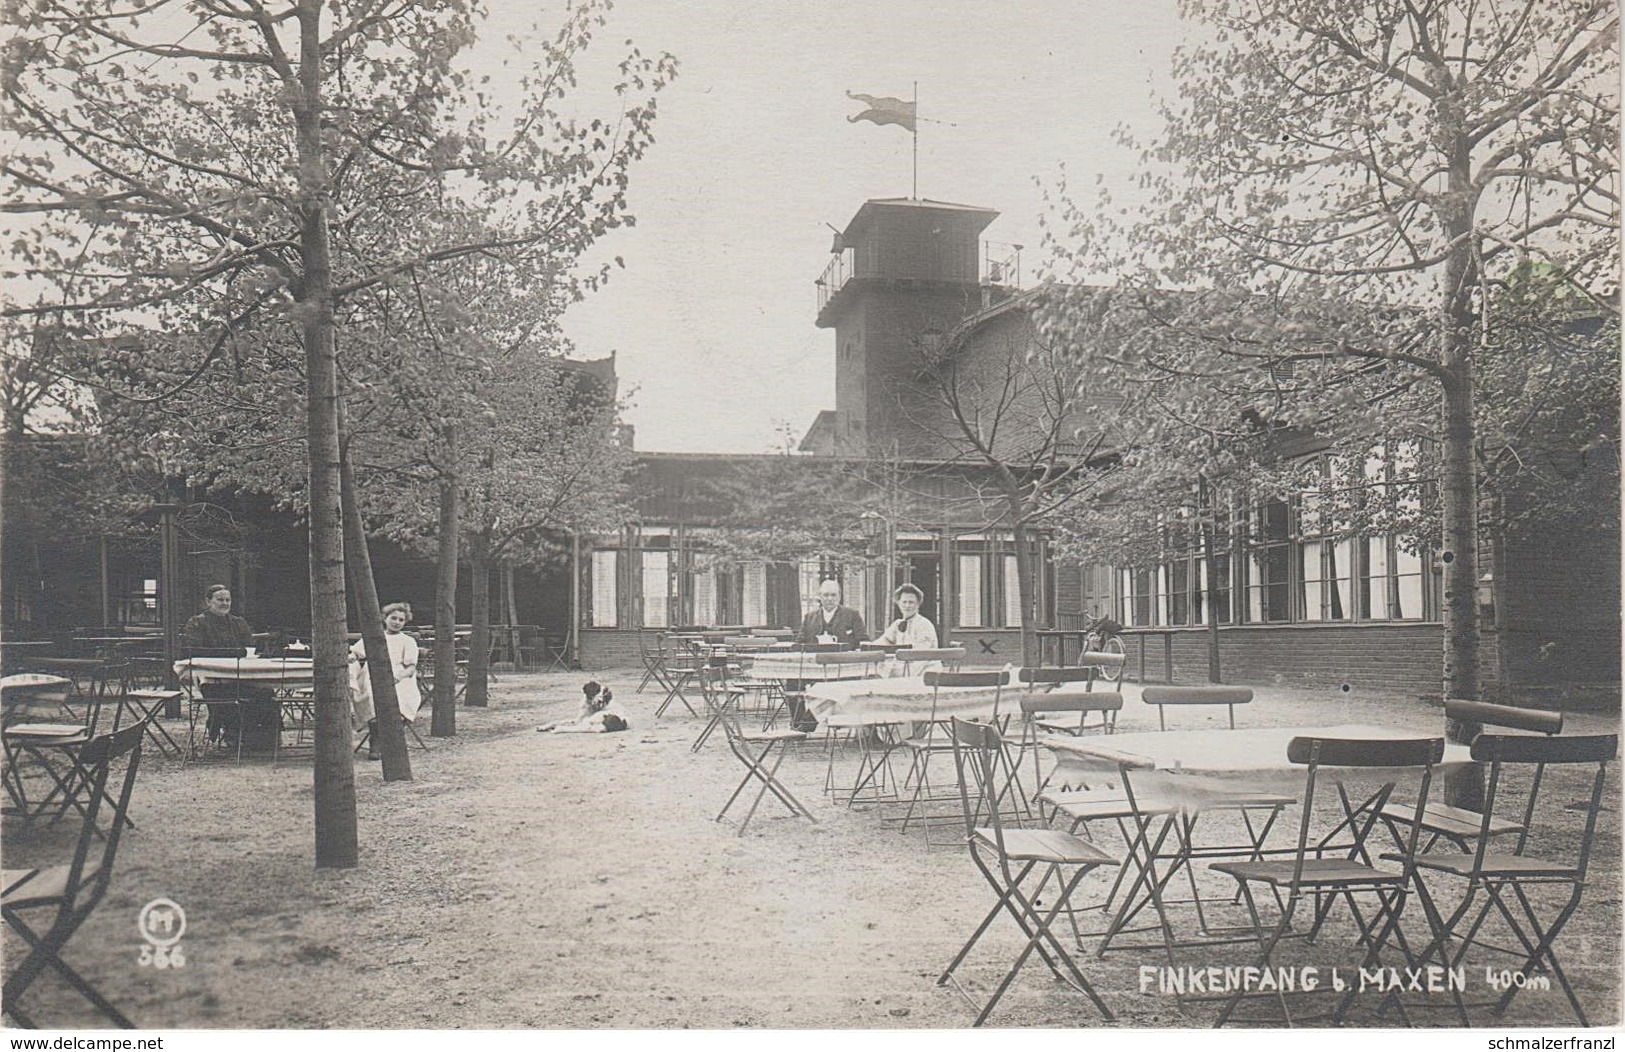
(580, 881)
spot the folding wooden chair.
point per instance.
(1049, 705)
(68, 894)
(1504, 878)
(1162, 697)
(916, 661)
(54, 751)
(755, 750)
(719, 694)
(653, 655)
(1007, 860)
(681, 668)
(147, 705)
(932, 739)
(1458, 825)
(411, 730)
(1337, 865)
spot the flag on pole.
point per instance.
(883, 109)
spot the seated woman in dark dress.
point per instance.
(240, 705)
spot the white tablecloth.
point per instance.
(795, 664)
(286, 671)
(905, 700)
(1219, 750)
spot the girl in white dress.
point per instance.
(403, 660)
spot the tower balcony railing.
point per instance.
(835, 276)
(999, 264)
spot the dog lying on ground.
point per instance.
(594, 716)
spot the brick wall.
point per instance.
(1560, 611)
(602, 648)
(1404, 660)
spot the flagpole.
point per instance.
(915, 194)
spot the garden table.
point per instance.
(862, 705)
(75, 669)
(802, 666)
(274, 674)
(282, 671)
(1195, 765)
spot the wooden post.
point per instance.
(169, 597)
(572, 637)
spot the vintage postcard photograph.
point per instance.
(878, 518)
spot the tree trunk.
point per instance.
(1026, 581)
(1458, 484)
(510, 602)
(479, 643)
(334, 768)
(388, 736)
(444, 722)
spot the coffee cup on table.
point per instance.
(252, 652)
(825, 637)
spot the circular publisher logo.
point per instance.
(162, 922)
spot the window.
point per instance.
(1341, 549)
(657, 588)
(1268, 566)
(1177, 578)
(137, 600)
(1326, 555)
(705, 598)
(754, 603)
(604, 592)
(1137, 597)
(1012, 593)
(970, 591)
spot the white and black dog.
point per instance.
(593, 717)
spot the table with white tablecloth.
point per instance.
(803, 667)
(907, 699)
(249, 684)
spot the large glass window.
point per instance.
(656, 588)
(1098, 600)
(1012, 593)
(1178, 575)
(754, 600)
(704, 593)
(1138, 594)
(970, 591)
(807, 576)
(1269, 561)
(1326, 556)
(1341, 548)
(605, 596)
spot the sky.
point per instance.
(711, 321)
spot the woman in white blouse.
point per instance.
(913, 628)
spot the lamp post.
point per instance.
(881, 596)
